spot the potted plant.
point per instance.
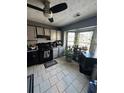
(68, 54)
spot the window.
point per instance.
(71, 37)
(85, 39)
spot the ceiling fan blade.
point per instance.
(51, 19)
(58, 8)
(34, 7)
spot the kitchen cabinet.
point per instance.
(40, 31)
(47, 32)
(58, 35)
(31, 33)
(55, 52)
(32, 58)
(53, 35)
(60, 51)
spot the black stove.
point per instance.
(45, 52)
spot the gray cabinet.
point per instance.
(60, 50)
(55, 52)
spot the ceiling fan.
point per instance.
(48, 11)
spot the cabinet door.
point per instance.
(53, 35)
(40, 31)
(55, 52)
(61, 50)
(32, 58)
(31, 33)
(47, 32)
(58, 35)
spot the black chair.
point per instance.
(88, 65)
(81, 59)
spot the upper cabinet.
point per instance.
(31, 33)
(37, 33)
(53, 35)
(47, 32)
(58, 35)
(40, 31)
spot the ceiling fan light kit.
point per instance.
(50, 19)
(48, 15)
(47, 11)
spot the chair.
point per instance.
(88, 65)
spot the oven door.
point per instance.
(46, 55)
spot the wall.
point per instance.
(32, 23)
(93, 45)
(82, 26)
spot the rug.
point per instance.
(50, 63)
(30, 83)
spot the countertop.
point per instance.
(32, 50)
(88, 54)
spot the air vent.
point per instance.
(77, 15)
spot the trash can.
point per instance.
(92, 88)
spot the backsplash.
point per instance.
(40, 40)
(31, 42)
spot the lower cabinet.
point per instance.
(32, 58)
(39, 57)
(55, 52)
(60, 51)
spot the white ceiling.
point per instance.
(86, 8)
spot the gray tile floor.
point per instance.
(63, 77)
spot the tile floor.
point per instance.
(63, 77)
